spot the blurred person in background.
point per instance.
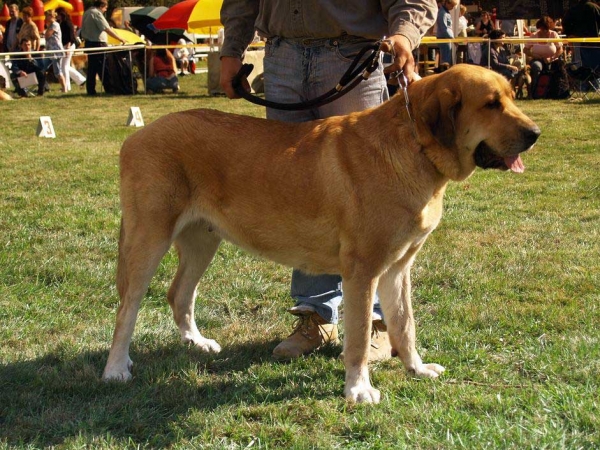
(542, 54)
(69, 44)
(29, 29)
(23, 65)
(500, 57)
(463, 25)
(53, 37)
(583, 20)
(94, 31)
(182, 57)
(484, 27)
(445, 31)
(13, 26)
(162, 72)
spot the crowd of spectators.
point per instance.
(518, 60)
(22, 38)
(582, 20)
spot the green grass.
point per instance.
(506, 295)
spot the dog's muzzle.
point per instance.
(486, 158)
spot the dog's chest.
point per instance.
(429, 217)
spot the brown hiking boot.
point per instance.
(380, 342)
(380, 348)
(310, 333)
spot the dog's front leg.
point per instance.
(395, 298)
(358, 300)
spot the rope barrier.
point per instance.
(41, 54)
(427, 40)
(35, 53)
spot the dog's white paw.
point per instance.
(362, 394)
(203, 344)
(118, 372)
(428, 370)
(209, 346)
(194, 338)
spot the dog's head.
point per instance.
(466, 118)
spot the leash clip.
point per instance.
(403, 85)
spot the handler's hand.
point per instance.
(403, 58)
(230, 66)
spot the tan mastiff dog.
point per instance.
(355, 195)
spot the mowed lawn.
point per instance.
(506, 297)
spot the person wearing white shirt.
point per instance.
(182, 57)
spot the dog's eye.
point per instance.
(494, 104)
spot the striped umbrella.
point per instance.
(194, 16)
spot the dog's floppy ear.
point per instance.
(435, 121)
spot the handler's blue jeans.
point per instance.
(301, 69)
(445, 53)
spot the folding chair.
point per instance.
(584, 79)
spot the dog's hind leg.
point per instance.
(395, 298)
(141, 249)
(196, 246)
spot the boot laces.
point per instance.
(375, 334)
(304, 324)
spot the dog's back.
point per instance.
(230, 177)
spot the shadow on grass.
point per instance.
(141, 94)
(60, 397)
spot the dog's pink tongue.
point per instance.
(515, 163)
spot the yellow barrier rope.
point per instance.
(432, 40)
(427, 40)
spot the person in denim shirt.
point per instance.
(309, 46)
(444, 30)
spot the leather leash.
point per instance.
(351, 78)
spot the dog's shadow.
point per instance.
(55, 398)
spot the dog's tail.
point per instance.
(121, 264)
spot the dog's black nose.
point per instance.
(531, 135)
